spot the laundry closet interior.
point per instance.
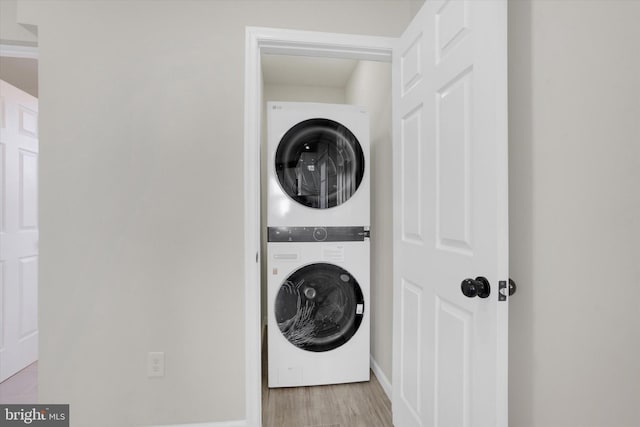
(341, 83)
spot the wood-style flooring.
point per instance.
(341, 405)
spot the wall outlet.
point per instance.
(155, 364)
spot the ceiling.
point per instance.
(306, 71)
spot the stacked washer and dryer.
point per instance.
(318, 203)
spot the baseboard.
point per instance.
(382, 378)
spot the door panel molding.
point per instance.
(463, 221)
(18, 230)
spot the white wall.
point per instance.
(370, 86)
(575, 213)
(141, 206)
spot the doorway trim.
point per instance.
(259, 40)
(17, 51)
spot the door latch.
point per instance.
(505, 290)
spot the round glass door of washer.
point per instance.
(319, 163)
(319, 307)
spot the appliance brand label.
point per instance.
(333, 253)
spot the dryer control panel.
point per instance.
(317, 234)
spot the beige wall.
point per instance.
(20, 72)
(296, 93)
(370, 86)
(141, 203)
(11, 32)
(575, 213)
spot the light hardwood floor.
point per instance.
(341, 405)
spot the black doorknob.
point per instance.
(476, 287)
(512, 287)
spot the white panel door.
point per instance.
(451, 218)
(18, 229)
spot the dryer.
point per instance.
(318, 305)
(317, 164)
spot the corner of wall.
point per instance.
(382, 378)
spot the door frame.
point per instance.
(18, 51)
(259, 40)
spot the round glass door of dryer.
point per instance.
(319, 163)
(319, 307)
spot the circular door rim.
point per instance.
(361, 154)
(357, 319)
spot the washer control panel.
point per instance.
(317, 234)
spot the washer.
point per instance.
(318, 305)
(317, 164)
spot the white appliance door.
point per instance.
(451, 217)
(18, 230)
